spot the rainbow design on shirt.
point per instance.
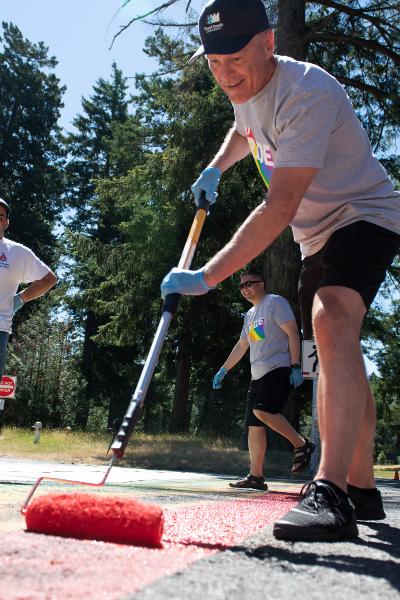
(256, 331)
(262, 155)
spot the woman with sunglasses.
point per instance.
(270, 331)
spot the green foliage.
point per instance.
(105, 143)
(382, 335)
(44, 355)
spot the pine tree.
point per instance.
(94, 154)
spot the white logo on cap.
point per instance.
(211, 19)
(213, 23)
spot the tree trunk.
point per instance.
(285, 252)
(290, 32)
(87, 369)
(182, 408)
(282, 266)
(212, 419)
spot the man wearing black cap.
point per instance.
(18, 265)
(322, 178)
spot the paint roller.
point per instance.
(111, 518)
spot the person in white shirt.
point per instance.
(18, 264)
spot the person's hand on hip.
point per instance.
(218, 377)
(207, 182)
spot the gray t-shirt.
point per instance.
(303, 118)
(269, 344)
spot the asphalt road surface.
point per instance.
(218, 544)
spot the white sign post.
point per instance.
(310, 368)
(310, 363)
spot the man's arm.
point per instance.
(287, 189)
(264, 224)
(39, 287)
(234, 148)
(236, 354)
(291, 330)
(238, 351)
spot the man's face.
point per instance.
(3, 220)
(243, 74)
(252, 288)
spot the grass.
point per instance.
(386, 471)
(159, 451)
(176, 452)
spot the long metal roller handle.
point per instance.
(25, 505)
(170, 306)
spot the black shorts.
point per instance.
(269, 393)
(356, 257)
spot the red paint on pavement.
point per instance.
(37, 566)
(91, 517)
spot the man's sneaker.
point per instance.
(367, 502)
(324, 513)
(251, 481)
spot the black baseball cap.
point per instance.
(227, 26)
(4, 203)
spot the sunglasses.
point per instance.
(248, 284)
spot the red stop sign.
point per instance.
(7, 387)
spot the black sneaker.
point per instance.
(251, 481)
(367, 502)
(324, 514)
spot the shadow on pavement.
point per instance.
(350, 557)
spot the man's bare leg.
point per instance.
(257, 440)
(345, 420)
(279, 423)
(361, 470)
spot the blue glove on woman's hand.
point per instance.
(218, 377)
(182, 281)
(296, 376)
(208, 183)
(17, 303)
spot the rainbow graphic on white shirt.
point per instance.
(262, 155)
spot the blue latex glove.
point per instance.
(182, 281)
(296, 376)
(208, 183)
(218, 377)
(17, 303)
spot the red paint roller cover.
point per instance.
(92, 517)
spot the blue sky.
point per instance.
(78, 33)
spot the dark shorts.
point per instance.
(356, 257)
(269, 394)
